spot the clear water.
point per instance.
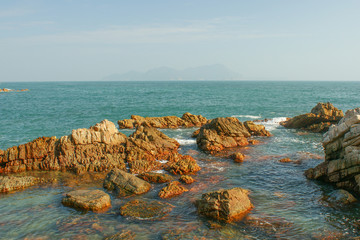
(279, 191)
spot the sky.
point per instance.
(86, 40)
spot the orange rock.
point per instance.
(186, 179)
(238, 157)
(172, 189)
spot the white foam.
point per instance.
(158, 171)
(186, 141)
(162, 161)
(247, 116)
(272, 124)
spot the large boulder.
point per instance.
(94, 200)
(225, 205)
(221, 133)
(12, 183)
(187, 120)
(156, 177)
(342, 154)
(321, 117)
(123, 183)
(146, 210)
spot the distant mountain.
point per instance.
(210, 72)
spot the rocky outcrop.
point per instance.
(187, 120)
(340, 198)
(12, 90)
(146, 210)
(94, 200)
(225, 205)
(321, 117)
(342, 154)
(12, 183)
(221, 133)
(172, 189)
(156, 177)
(123, 183)
(97, 149)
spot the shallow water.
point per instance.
(289, 205)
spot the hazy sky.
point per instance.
(260, 39)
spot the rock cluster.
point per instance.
(321, 117)
(221, 133)
(225, 205)
(100, 148)
(173, 189)
(342, 154)
(187, 120)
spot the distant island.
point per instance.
(208, 72)
(13, 90)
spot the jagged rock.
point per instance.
(221, 133)
(185, 165)
(186, 179)
(321, 117)
(187, 120)
(156, 177)
(146, 145)
(172, 189)
(124, 183)
(340, 197)
(145, 210)
(93, 200)
(225, 205)
(256, 130)
(195, 133)
(238, 157)
(12, 183)
(342, 154)
(123, 235)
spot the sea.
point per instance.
(286, 204)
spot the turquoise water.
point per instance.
(280, 192)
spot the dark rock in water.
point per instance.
(124, 235)
(322, 116)
(185, 165)
(172, 189)
(124, 183)
(342, 154)
(93, 200)
(146, 210)
(12, 183)
(156, 177)
(238, 157)
(340, 197)
(186, 179)
(187, 120)
(221, 133)
(225, 205)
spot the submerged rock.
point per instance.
(145, 210)
(12, 183)
(123, 235)
(124, 183)
(340, 197)
(93, 200)
(321, 117)
(225, 205)
(156, 177)
(342, 154)
(221, 133)
(187, 120)
(172, 189)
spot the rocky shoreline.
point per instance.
(131, 163)
(5, 90)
